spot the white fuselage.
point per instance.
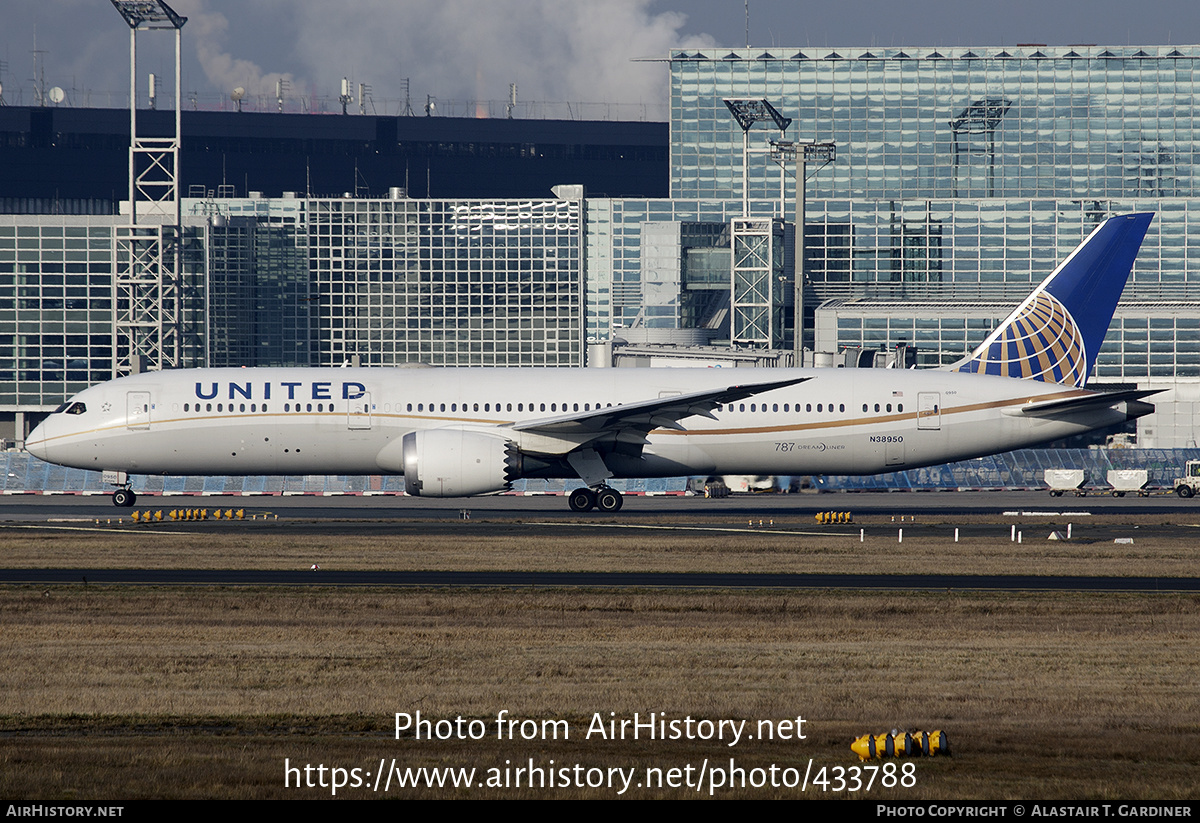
(286, 421)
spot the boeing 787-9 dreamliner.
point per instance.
(468, 431)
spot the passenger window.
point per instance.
(242, 407)
(876, 407)
(774, 407)
(900, 407)
(818, 407)
(220, 407)
(808, 407)
(841, 407)
(889, 406)
(208, 406)
(185, 407)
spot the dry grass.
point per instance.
(124, 692)
(111, 693)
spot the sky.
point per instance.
(594, 59)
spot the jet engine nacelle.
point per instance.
(458, 463)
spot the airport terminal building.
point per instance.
(962, 177)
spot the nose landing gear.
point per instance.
(124, 498)
(604, 498)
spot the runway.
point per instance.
(360, 509)
(938, 516)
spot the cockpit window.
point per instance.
(61, 409)
(76, 408)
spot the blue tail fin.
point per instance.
(1055, 334)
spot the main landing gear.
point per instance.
(124, 498)
(604, 498)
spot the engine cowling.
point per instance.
(458, 463)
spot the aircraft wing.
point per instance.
(642, 417)
(1091, 400)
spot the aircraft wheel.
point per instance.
(1184, 491)
(124, 498)
(609, 500)
(1056, 494)
(582, 500)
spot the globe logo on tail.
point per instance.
(1042, 342)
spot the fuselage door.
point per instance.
(137, 410)
(929, 410)
(358, 413)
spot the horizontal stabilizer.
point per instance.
(1091, 400)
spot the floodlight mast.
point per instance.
(800, 153)
(147, 15)
(148, 251)
(747, 112)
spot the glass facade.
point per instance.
(1029, 121)
(447, 282)
(299, 282)
(963, 176)
(258, 301)
(56, 306)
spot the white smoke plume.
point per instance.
(456, 51)
(217, 44)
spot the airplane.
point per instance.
(457, 432)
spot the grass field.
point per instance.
(127, 692)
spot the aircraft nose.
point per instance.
(35, 443)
